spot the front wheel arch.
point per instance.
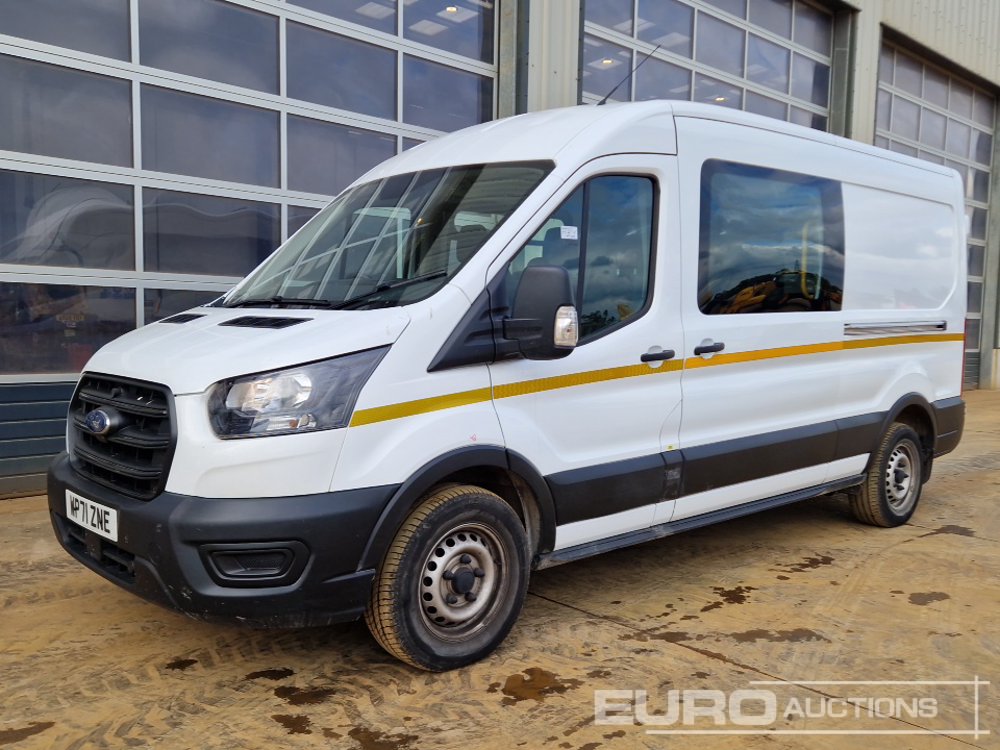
(503, 472)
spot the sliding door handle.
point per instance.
(718, 346)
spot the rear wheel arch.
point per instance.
(915, 411)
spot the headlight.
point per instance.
(317, 396)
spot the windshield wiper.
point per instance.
(386, 287)
(279, 300)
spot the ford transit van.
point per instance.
(519, 345)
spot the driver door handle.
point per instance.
(657, 356)
(718, 346)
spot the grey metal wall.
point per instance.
(32, 429)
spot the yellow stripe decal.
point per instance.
(420, 406)
(926, 338)
(581, 378)
(755, 356)
(526, 387)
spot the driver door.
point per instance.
(598, 422)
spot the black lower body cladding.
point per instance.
(265, 562)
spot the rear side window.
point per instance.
(771, 241)
(603, 236)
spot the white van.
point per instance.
(525, 343)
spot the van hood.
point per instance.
(222, 343)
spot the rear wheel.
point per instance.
(891, 490)
(453, 581)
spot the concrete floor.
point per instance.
(801, 593)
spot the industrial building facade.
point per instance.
(154, 151)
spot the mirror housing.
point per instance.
(544, 320)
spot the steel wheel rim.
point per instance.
(461, 580)
(902, 477)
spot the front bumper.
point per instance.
(265, 562)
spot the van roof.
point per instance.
(578, 134)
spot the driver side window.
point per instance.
(603, 236)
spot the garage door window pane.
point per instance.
(811, 120)
(813, 28)
(662, 80)
(464, 27)
(666, 22)
(50, 328)
(982, 147)
(767, 64)
(612, 14)
(736, 7)
(983, 109)
(195, 135)
(59, 221)
(961, 99)
(765, 105)
(977, 225)
(882, 104)
(720, 45)
(936, 87)
(210, 39)
(980, 186)
(162, 303)
(325, 158)
(714, 91)
(376, 14)
(959, 137)
(298, 216)
(975, 296)
(977, 254)
(200, 234)
(55, 111)
(443, 98)
(96, 26)
(810, 80)
(909, 74)
(773, 15)
(604, 66)
(932, 128)
(905, 117)
(364, 79)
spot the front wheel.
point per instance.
(891, 490)
(453, 581)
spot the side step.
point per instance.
(580, 551)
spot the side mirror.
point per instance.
(544, 322)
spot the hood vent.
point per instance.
(182, 318)
(253, 321)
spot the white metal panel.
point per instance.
(903, 252)
(192, 356)
(205, 465)
(393, 448)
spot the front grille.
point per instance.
(134, 457)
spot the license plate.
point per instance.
(100, 519)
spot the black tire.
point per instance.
(891, 490)
(453, 582)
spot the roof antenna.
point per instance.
(631, 73)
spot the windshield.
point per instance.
(393, 241)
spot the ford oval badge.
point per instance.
(97, 422)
